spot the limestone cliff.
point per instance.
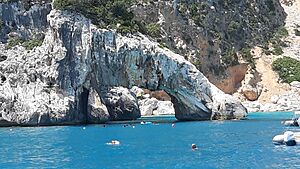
(213, 34)
(271, 91)
(76, 75)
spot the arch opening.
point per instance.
(83, 103)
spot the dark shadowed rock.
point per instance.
(121, 104)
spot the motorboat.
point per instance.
(288, 138)
(295, 120)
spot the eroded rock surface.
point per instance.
(121, 104)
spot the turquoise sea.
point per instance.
(229, 144)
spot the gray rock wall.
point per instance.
(22, 22)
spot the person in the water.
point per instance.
(194, 147)
(114, 142)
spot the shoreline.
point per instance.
(153, 119)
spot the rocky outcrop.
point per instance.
(164, 108)
(152, 106)
(121, 104)
(251, 93)
(147, 106)
(295, 84)
(153, 102)
(97, 111)
(23, 19)
(288, 101)
(71, 78)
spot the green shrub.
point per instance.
(287, 68)
(153, 29)
(29, 45)
(162, 45)
(230, 58)
(277, 42)
(14, 41)
(282, 32)
(277, 50)
(248, 57)
(233, 26)
(196, 11)
(104, 13)
(271, 5)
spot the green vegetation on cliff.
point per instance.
(153, 30)
(27, 44)
(287, 68)
(13, 41)
(104, 13)
(276, 42)
(27, 3)
(248, 57)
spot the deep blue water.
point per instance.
(229, 144)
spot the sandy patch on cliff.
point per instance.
(269, 78)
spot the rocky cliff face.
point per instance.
(72, 77)
(212, 34)
(23, 19)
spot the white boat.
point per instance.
(288, 138)
(295, 120)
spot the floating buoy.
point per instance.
(83, 128)
(173, 125)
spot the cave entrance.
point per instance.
(83, 103)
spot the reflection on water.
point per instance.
(230, 144)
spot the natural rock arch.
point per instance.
(116, 60)
(79, 61)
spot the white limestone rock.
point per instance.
(295, 84)
(147, 106)
(50, 84)
(164, 108)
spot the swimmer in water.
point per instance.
(194, 147)
(114, 142)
